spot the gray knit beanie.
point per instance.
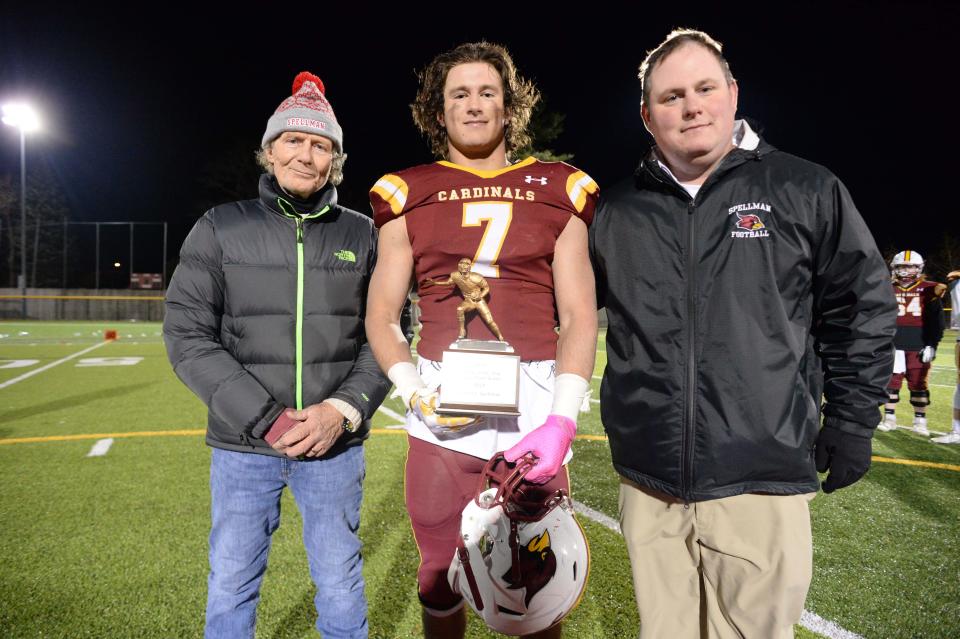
(306, 110)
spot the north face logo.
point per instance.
(346, 256)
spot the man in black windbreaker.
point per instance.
(741, 286)
(264, 322)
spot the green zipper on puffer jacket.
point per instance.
(291, 212)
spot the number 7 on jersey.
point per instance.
(498, 216)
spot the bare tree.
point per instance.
(945, 258)
(46, 210)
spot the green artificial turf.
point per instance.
(115, 546)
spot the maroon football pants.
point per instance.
(916, 374)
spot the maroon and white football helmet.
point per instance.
(906, 267)
(521, 562)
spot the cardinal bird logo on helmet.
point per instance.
(537, 566)
(749, 222)
(522, 559)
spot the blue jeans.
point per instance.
(245, 493)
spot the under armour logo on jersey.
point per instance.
(530, 180)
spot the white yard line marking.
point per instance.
(11, 382)
(392, 414)
(815, 623)
(604, 520)
(909, 429)
(809, 620)
(101, 447)
(18, 363)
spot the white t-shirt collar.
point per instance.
(743, 138)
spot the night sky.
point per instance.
(139, 105)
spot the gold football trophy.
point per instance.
(479, 377)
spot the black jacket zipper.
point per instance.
(688, 429)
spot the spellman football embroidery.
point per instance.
(748, 223)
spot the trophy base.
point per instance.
(480, 377)
(459, 409)
(481, 346)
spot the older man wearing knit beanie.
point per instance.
(264, 324)
(304, 121)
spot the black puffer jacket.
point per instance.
(728, 315)
(265, 311)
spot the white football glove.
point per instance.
(585, 404)
(927, 354)
(422, 401)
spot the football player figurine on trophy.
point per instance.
(474, 288)
(479, 376)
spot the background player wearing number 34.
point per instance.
(524, 226)
(919, 331)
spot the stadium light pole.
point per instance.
(24, 118)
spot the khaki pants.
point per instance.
(737, 567)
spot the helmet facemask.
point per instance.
(906, 274)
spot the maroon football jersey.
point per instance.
(912, 304)
(507, 221)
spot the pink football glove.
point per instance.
(550, 442)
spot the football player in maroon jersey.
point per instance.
(919, 329)
(523, 226)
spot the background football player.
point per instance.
(953, 283)
(524, 226)
(919, 330)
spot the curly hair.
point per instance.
(519, 98)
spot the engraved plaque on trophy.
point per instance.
(478, 377)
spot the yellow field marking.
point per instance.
(68, 438)
(882, 460)
(143, 433)
(181, 433)
(375, 431)
(922, 464)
